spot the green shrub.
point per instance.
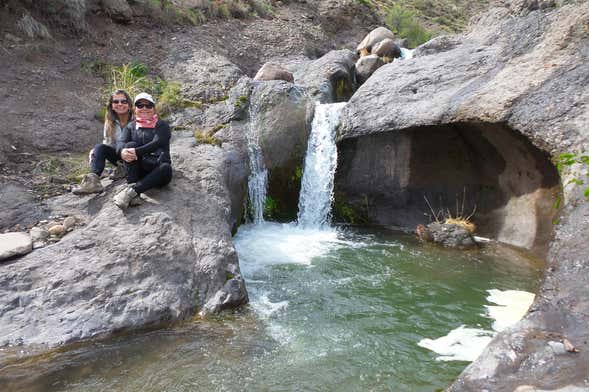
(568, 159)
(404, 23)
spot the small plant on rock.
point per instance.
(445, 216)
(569, 159)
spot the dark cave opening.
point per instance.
(488, 170)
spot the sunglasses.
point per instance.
(122, 101)
(144, 105)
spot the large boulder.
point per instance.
(280, 113)
(162, 261)
(366, 65)
(327, 79)
(271, 71)
(485, 114)
(204, 76)
(387, 48)
(374, 37)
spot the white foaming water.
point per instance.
(513, 305)
(466, 344)
(258, 178)
(461, 344)
(406, 54)
(320, 164)
(281, 243)
(270, 243)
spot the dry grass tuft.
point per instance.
(463, 222)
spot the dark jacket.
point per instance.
(152, 143)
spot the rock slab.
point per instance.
(14, 244)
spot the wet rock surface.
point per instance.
(448, 235)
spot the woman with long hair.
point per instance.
(145, 149)
(119, 112)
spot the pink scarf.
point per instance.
(146, 122)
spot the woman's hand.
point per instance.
(128, 155)
(90, 155)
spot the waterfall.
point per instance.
(406, 53)
(320, 164)
(258, 178)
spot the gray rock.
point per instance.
(57, 230)
(69, 222)
(271, 71)
(438, 44)
(17, 205)
(374, 37)
(387, 48)
(118, 10)
(14, 244)
(204, 76)
(366, 65)
(451, 236)
(327, 79)
(281, 111)
(164, 260)
(38, 234)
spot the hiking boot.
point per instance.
(124, 197)
(119, 172)
(136, 201)
(89, 184)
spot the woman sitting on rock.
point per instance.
(145, 149)
(118, 114)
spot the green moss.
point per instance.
(240, 101)
(343, 90)
(70, 167)
(208, 137)
(345, 212)
(271, 209)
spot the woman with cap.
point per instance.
(118, 114)
(145, 149)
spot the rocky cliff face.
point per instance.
(486, 112)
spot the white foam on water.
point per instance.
(466, 344)
(461, 344)
(512, 306)
(267, 308)
(272, 243)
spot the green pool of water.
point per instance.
(330, 310)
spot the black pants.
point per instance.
(147, 174)
(100, 154)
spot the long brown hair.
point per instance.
(110, 116)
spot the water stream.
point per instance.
(257, 182)
(320, 164)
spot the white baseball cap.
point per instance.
(145, 96)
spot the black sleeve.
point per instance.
(160, 139)
(125, 138)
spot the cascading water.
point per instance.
(258, 178)
(320, 164)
